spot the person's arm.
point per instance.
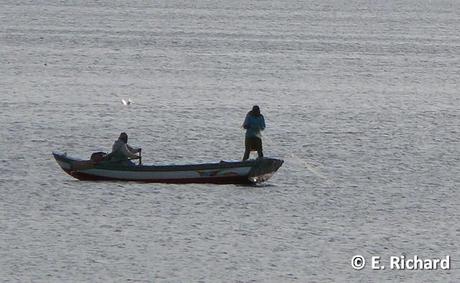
(262, 123)
(246, 122)
(133, 149)
(127, 152)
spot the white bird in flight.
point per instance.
(126, 102)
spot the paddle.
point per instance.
(140, 156)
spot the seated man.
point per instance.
(122, 152)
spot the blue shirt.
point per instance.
(254, 125)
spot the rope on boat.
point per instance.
(305, 164)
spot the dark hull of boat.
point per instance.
(215, 180)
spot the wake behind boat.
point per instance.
(223, 172)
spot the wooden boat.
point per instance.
(223, 172)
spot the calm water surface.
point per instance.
(361, 99)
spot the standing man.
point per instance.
(254, 124)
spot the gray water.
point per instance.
(361, 100)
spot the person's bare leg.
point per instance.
(260, 153)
